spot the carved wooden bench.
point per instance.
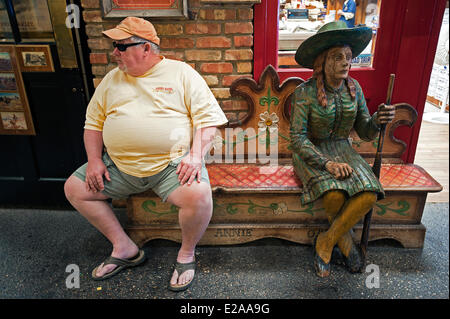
(254, 198)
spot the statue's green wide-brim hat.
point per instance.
(332, 34)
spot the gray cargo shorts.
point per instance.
(123, 185)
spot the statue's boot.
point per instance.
(333, 201)
(352, 211)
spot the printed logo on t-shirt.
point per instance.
(161, 89)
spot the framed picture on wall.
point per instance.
(8, 82)
(35, 58)
(15, 115)
(5, 62)
(10, 101)
(145, 8)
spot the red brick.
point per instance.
(244, 67)
(92, 16)
(203, 28)
(96, 81)
(206, 14)
(232, 116)
(217, 14)
(176, 43)
(99, 44)
(221, 93)
(228, 79)
(94, 30)
(169, 29)
(234, 105)
(213, 42)
(98, 58)
(174, 55)
(90, 4)
(98, 70)
(203, 55)
(243, 41)
(239, 55)
(239, 27)
(211, 80)
(194, 3)
(110, 67)
(245, 14)
(216, 68)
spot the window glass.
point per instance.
(33, 19)
(300, 19)
(5, 28)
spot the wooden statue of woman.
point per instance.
(324, 110)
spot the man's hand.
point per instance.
(339, 170)
(94, 175)
(189, 168)
(385, 113)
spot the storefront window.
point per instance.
(5, 28)
(33, 19)
(300, 19)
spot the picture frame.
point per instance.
(8, 81)
(35, 58)
(10, 101)
(145, 8)
(15, 114)
(5, 62)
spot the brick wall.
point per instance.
(216, 40)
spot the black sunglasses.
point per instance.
(123, 46)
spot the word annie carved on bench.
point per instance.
(256, 192)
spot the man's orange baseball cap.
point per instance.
(133, 26)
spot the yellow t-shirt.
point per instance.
(149, 120)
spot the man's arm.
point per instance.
(191, 166)
(93, 143)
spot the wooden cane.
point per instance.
(376, 168)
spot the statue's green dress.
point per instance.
(320, 134)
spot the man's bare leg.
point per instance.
(195, 203)
(96, 210)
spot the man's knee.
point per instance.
(197, 199)
(75, 191)
(71, 188)
(201, 200)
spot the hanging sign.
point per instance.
(145, 8)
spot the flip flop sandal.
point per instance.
(181, 268)
(121, 265)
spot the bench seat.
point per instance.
(247, 177)
(253, 202)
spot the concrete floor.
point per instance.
(36, 246)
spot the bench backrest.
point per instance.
(264, 132)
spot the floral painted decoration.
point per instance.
(268, 122)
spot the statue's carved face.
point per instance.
(337, 63)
